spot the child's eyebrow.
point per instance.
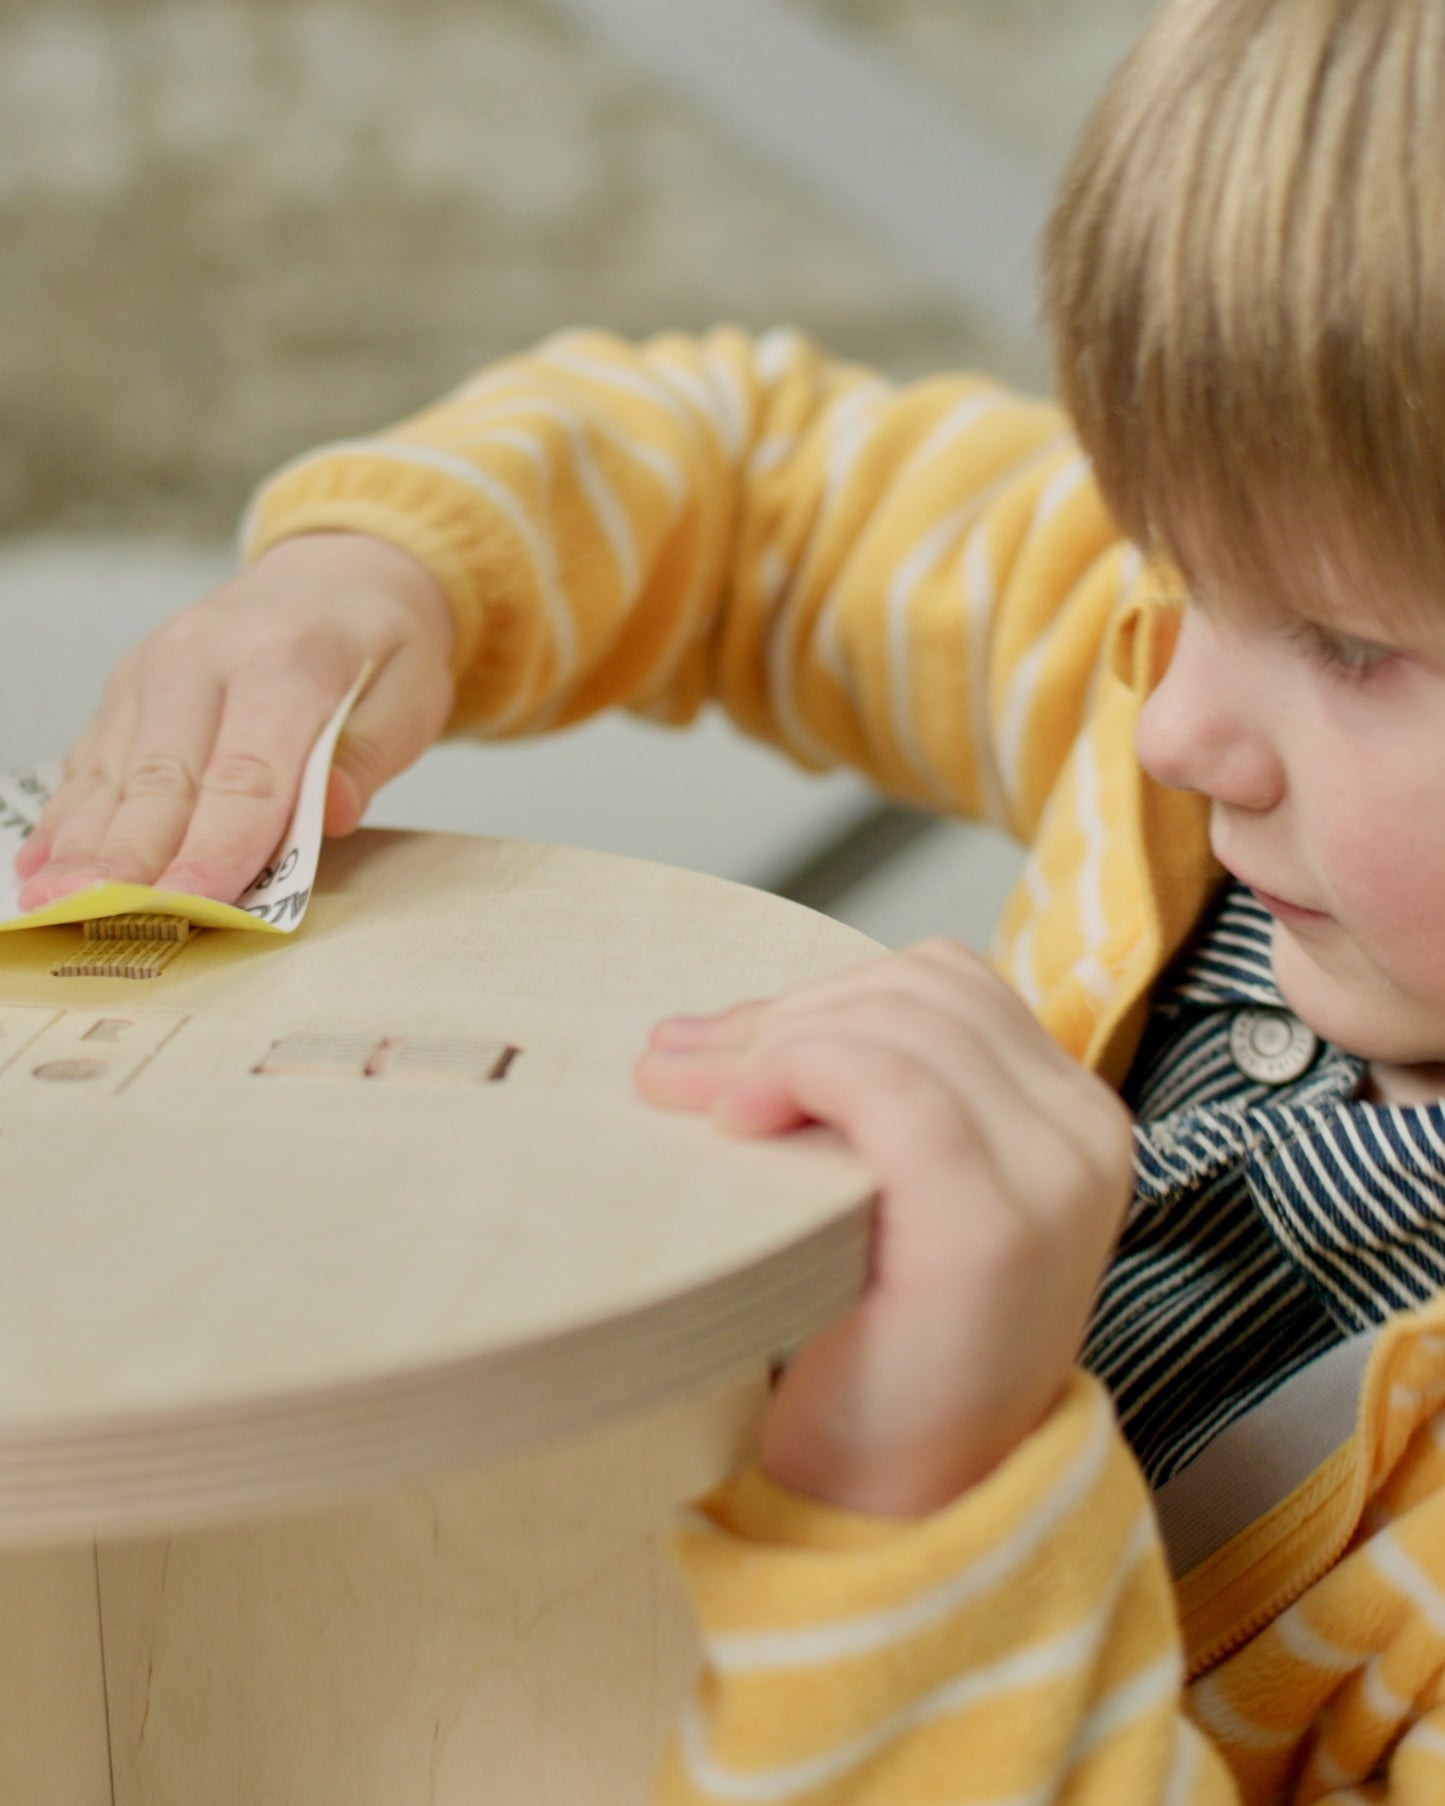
(1405, 628)
(1408, 626)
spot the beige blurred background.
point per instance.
(230, 229)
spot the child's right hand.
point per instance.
(1004, 1172)
(188, 772)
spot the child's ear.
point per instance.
(1142, 637)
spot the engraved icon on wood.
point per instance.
(71, 1048)
(70, 1072)
(348, 1054)
(129, 946)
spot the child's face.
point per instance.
(1318, 737)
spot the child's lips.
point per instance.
(1277, 906)
(1286, 912)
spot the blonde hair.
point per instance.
(1245, 283)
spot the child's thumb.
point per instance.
(401, 713)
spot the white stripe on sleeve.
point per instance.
(742, 1652)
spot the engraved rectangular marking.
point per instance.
(319, 1053)
(440, 1060)
(354, 1054)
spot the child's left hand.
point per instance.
(1004, 1171)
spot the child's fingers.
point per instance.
(907, 970)
(177, 714)
(106, 733)
(74, 822)
(269, 723)
(1057, 1135)
(398, 716)
(684, 1081)
(908, 1041)
(948, 1022)
(946, 975)
(1053, 1135)
(189, 772)
(741, 1064)
(742, 1020)
(969, 1179)
(691, 1060)
(898, 1112)
(35, 850)
(688, 1061)
(727, 1028)
(33, 853)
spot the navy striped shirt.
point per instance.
(1270, 1219)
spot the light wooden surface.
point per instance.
(54, 1740)
(473, 1339)
(513, 1636)
(223, 1289)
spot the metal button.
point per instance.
(1271, 1045)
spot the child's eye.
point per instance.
(1340, 651)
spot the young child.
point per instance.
(1031, 1524)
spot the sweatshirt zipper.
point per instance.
(1248, 1628)
(1367, 1437)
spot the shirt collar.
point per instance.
(1228, 961)
(1355, 1195)
(1353, 1192)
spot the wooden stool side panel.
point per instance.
(514, 1636)
(54, 1750)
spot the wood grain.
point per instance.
(53, 1730)
(514, 1636)
(355, 1303)
(222, 1290)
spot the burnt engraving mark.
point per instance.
(83, 1049)
(70, 1072)
(318, 1053)
(108, 1028)
(421, 1059)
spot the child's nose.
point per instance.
(1208, 727)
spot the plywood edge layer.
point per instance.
(154, 1473)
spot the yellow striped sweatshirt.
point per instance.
(921, 582)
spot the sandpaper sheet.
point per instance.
(274, 903)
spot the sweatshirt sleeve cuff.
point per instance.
(755, 1509)
(473, 549)
(1042, 1534)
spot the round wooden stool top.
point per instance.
(292, 1220)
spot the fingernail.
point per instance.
(187, 881)
(64, 880)
(682, 1031)
(63, 867)
(32, 857)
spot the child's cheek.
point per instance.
(1386, 876)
